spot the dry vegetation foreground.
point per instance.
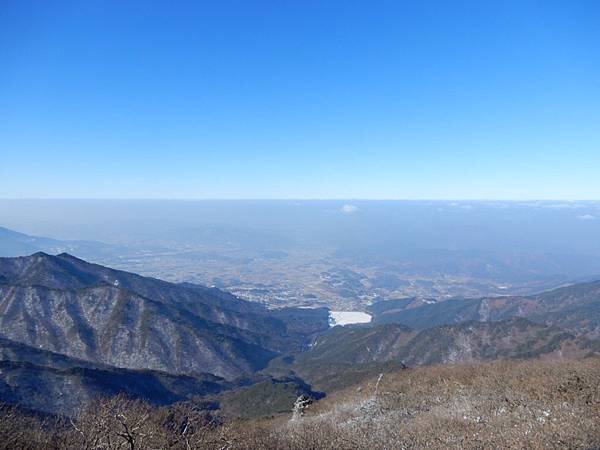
(529, 404)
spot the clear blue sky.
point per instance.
(300, 99)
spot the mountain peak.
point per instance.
(66, 255)
(41, 255)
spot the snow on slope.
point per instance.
(348, 317)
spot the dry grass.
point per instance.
(530, 405)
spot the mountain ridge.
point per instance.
(88, 311)
(576, 308)
(386, 347)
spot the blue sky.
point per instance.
(300, 99)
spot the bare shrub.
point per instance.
(532, 405)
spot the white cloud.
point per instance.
(586, 217)
(564, 205)
(460, 205)
(349, 209)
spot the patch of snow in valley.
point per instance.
(348, 317)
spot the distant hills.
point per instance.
(575, 308)
(13, 243)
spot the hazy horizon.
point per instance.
(430, 248)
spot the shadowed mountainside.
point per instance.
(48, 382)
(347, 350)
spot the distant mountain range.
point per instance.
(575, 308)
(13, 243)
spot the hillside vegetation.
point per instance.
(517, 404)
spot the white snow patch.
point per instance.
(348, 317)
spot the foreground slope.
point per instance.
(518, 405)
(525, 404)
